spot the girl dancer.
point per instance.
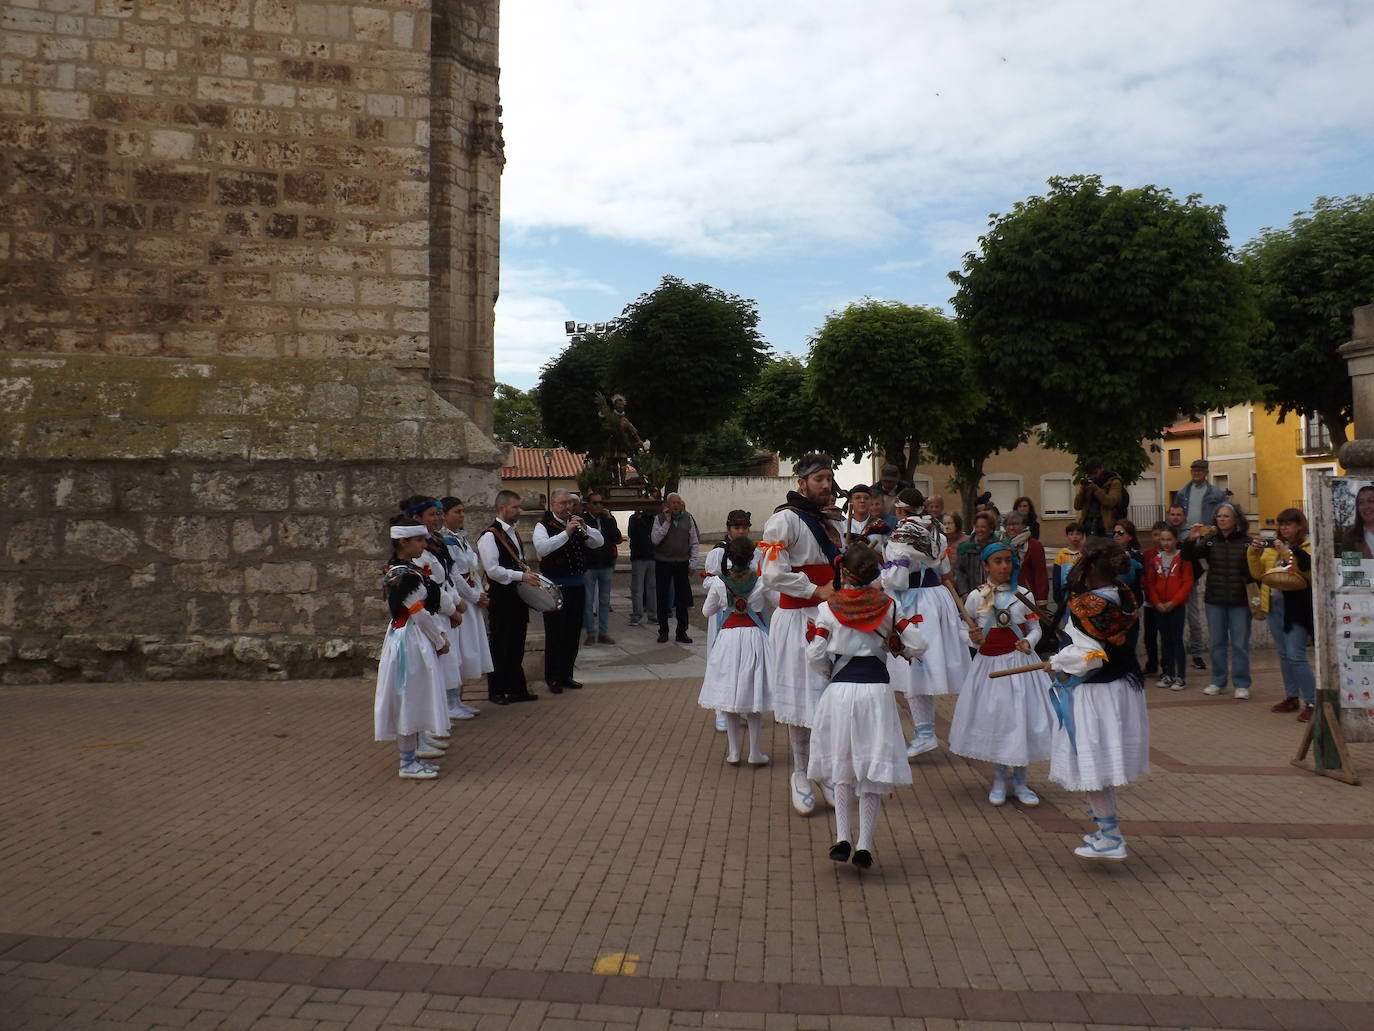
(916, 563)
(856, 737)
(410, 683)
(436, 564)
(736, 681)
(1103, 740)
(1007, 721)
(474, 652)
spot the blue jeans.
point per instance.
(1298, 679)
(1230, 622)
(598, 600)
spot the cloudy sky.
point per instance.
(806, 154)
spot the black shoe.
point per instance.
(863, 859)
(554, 688)
(663, 637)
(572, 685)
(840, 851)
(528, 696)
(682, 638)
(1198, 663)
(499, 699)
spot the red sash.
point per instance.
(999, 640)
(820, 573)
(736, 619)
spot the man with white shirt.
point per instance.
(562, 540)
(503, 559)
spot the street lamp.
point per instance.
(548, 476)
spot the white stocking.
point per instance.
(844, 806)
(868, 819)
(732, 729)
(755, 722)
(800, 740)
(1103, 803)
(922, 708)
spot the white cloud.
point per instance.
(530, 317)
(722, 129)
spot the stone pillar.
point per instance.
(1357, 456)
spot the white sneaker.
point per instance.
(759, 760)
(1213, 689)
(720, 722)
(1109, 848)
(921, 745)
(803, 794)
(1025, 795)
(465, 713)
(1165, 682)
(428, 751)
(1179, 685)
(1242, 693)
(417, 771)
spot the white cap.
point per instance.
(401, 532)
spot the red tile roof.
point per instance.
(528, 464)
(1185, 429)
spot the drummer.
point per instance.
(562, 538)
(503, 560)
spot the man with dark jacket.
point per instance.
(600, 569)
(676, 541)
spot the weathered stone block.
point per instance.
(191, 538)
(99, 541)
(241, 189)
(176, 183)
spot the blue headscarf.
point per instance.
(993, 547)
(421, 506)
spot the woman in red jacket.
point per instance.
(1168, 582)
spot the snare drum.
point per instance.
(544, 596)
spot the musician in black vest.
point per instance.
(562, 539)
(503, 559)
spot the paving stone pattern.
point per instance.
(241, 855)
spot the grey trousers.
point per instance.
(1197, 635)
(643, 588)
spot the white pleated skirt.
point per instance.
(857, 739)
(794, 686)
(412, 702)
(737, 672)
(942, 669)
(451, 662)
(1112, 730)
(475, 657)
(1005, 721)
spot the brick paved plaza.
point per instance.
(241, 855)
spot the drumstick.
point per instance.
(1019, 669)
(958, 604)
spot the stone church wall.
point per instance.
(248, 261)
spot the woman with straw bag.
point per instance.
(1283, 568)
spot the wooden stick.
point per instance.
(959, 604)
(1019, 669)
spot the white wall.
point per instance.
(710, 499)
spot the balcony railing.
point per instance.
(1312, 438)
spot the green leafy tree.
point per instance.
(887, 372)
(781, 414)
(518, 418)
(1308, 277)
(567, 391)
(966, 444)
(680, 355)
(1111, 311)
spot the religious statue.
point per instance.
(622, 439)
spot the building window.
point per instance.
(1005, 490)
(1250, 421)
(1254, 484)
(1221, 425)
(1056, 495)
(1223, 481)
(1314, 439)
(1175, 457)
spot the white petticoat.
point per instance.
(857, 739)
(419, 702)
(737, 672)
(1008, 720)
(942, 669)
(795, 687)
(1112, 729)
(475, 652)
(451, 662)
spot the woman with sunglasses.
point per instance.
(1223, 547)
(1124, 536)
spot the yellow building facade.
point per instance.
(1284, 451)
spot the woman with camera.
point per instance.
(1223, 547)
(1284, 569)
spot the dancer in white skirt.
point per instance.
(913, 575)
(856, 738)
(736, 681)
(1008, 721)
(410, 683)
(435, 563)
(737, 525)
(1103, 741)
(473, 649)
(800, 542)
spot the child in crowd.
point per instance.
(1063, 566)
(1007, 721)
(1168, 582)
(736, 680)
(1103, 740)
(856, 736)
(410, 701)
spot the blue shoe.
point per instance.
(720, 722)
(998, 794)
(924, 740)
(1024, 794)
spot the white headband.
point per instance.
(401, 532)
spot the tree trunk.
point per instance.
(968, 478)
(1335, 427)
